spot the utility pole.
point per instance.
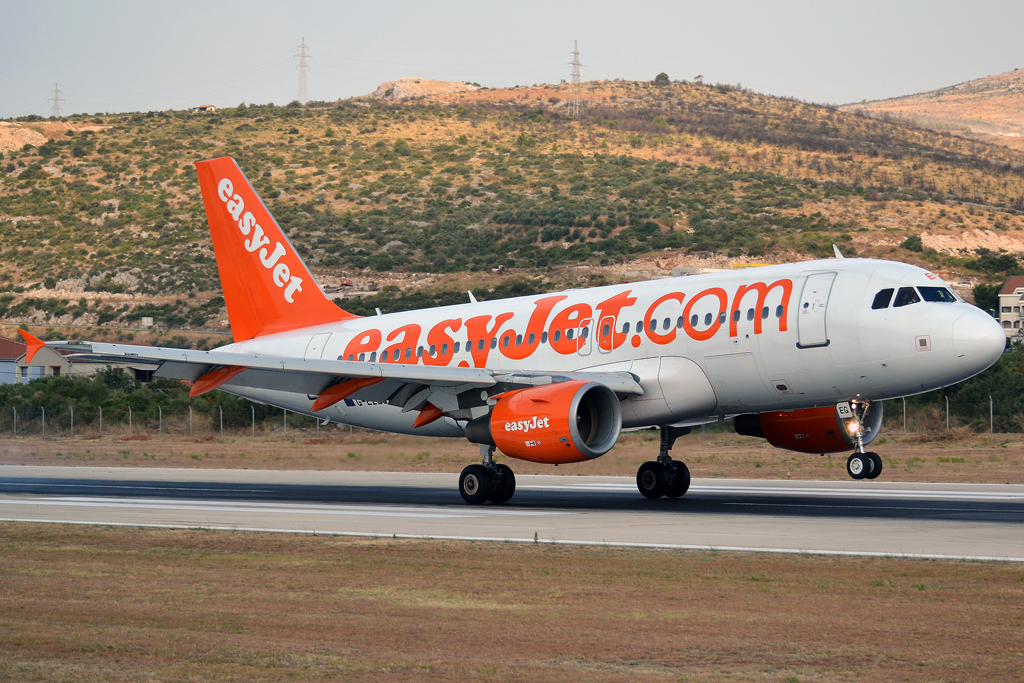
(574, 89)
(303, 68)
(56, 99)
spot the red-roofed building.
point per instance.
(10, 352)
(1011, 306)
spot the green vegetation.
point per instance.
(367, 186)
(115, 392)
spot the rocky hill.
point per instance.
(102, 224)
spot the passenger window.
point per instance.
(721, 318)
(764, 313)
(625, 328)
(750, 314)
(531, 339)
(906, 296)
(458, 345)
(666, 323)
(882, 299)
(708, 318)
(543, 337)
(736, 316)
(693, 320)
(679, 323)
(937, 294)
(778, 311)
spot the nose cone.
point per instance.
(978, 340)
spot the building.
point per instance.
(52, 362)
(1011, 302)
(204, 109)
(10, 352)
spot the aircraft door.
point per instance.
(606, 334)
(315, 348)
(811, 320)
(586, 338)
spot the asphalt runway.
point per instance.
(955, 521)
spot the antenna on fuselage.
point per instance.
(472, 299)
(839, 255)
(378, 311)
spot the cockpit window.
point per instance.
(905, 297)
(882, 299)
(937, 294)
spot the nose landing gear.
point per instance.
(862, 465)
(664, 477)
(487, 481)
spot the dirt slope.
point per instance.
(989, 109)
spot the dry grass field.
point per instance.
(954, 456)
(101, 604)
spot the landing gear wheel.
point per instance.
(475, 484)
(680, 480)
(503, 489)
(858, 465)
(652, 480)
(876, 465)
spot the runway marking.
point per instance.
(796, 491)
(279, 508)
(550, 541)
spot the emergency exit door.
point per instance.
(811, 325)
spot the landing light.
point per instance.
(853, 427)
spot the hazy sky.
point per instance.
(141, 56)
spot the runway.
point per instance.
(948, 521)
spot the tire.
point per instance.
(475, 484)
(876, 468)
(652, 480)
(680, 480)
(505, 489)
(858, 465)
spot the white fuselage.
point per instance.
(773, 338)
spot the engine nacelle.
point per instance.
(811, 430)
(556, 423)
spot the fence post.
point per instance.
(101, 420)
(129, 420)
(318, 428)
(285, 420)
(253, 409)
(72, 409)
(15, 420)
(190, 420)
(947, 412)
(904, 416)
(221, 409)
(160, 423)
(44, 420)
(991, 419)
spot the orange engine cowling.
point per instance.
(556, 423)
(811, 430)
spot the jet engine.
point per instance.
(813, 430)
(556, 423)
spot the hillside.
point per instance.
(989, 109)
(103, 224)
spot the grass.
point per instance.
(83, 603)
(993, 459)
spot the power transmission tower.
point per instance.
(56, 99)
(303, 68)
(574, 89)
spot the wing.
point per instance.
(460, 393)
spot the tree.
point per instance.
(661, 79)
(986, 297)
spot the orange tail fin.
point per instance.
(267, 287)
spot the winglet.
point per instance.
(33, 345)
(836, 250)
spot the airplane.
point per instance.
(801, 354)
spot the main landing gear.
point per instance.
(664, 477)
(488, 481)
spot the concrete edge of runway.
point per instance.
(537, 541)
